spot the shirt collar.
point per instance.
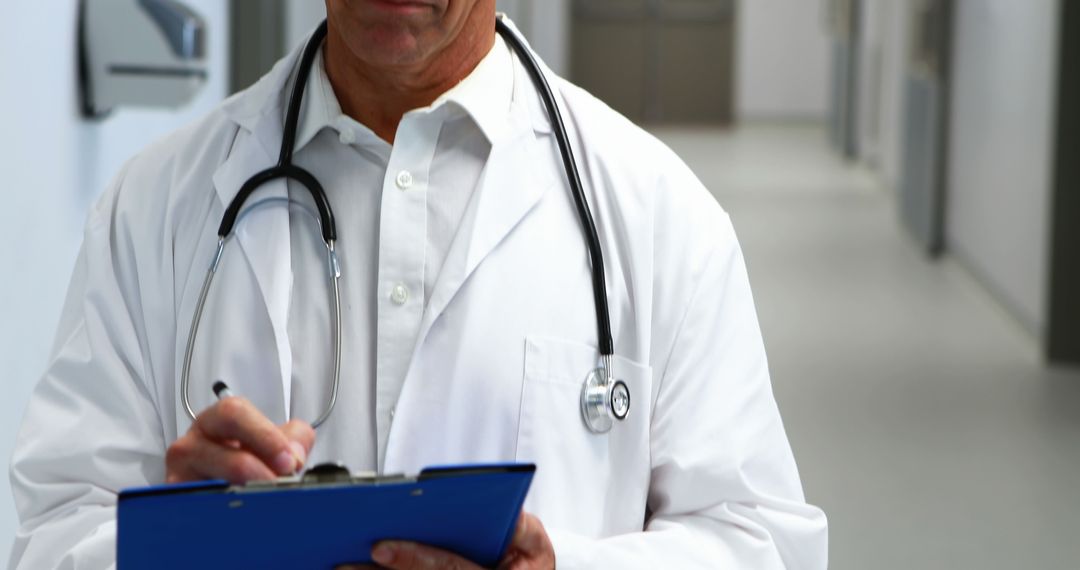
(485, 95)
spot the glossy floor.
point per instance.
(920, 414)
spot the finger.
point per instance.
(194, 458)
(520, 531)
(529, 536)
(237, 419)
(518, 563)
(177, 459)
(411, 556)
(515, 549)
(530, 546)
(301, 437)
(512, 561)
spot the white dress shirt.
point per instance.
(398, 209)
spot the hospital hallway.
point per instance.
(921, 417)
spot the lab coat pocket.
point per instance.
(590, 483)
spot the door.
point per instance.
(657, 60)
(843, 25)
(922, 168)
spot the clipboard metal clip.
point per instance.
(321, 475)
(327, 473)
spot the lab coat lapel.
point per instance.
(514, 180)
(264, 236)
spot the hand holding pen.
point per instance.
(234, 441)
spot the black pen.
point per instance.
(221, 390)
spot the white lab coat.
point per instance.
(699, 475)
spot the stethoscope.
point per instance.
(604, 399)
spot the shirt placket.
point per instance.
(402, 239)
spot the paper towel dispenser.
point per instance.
(146, 53)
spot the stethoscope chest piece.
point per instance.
(603, 401)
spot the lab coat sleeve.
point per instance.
(91, 427)
(724, 490)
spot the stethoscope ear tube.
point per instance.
(334, 274)
(193, 331)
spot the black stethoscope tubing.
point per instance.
(284, 167)
(596, 255)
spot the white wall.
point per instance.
(54, 166)
(781, 60)
(1001, 124)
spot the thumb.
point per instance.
(301, 437)
(529, 536)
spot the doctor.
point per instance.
(467, 315)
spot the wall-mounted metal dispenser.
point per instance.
(149, 53)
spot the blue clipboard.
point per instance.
(321, 520)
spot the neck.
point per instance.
(378, 96)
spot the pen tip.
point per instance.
(218, 387)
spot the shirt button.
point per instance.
(347, 136)
(399, 294)
(404, 180)
(391, 414)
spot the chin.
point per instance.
(386, 47)
(387, 31)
